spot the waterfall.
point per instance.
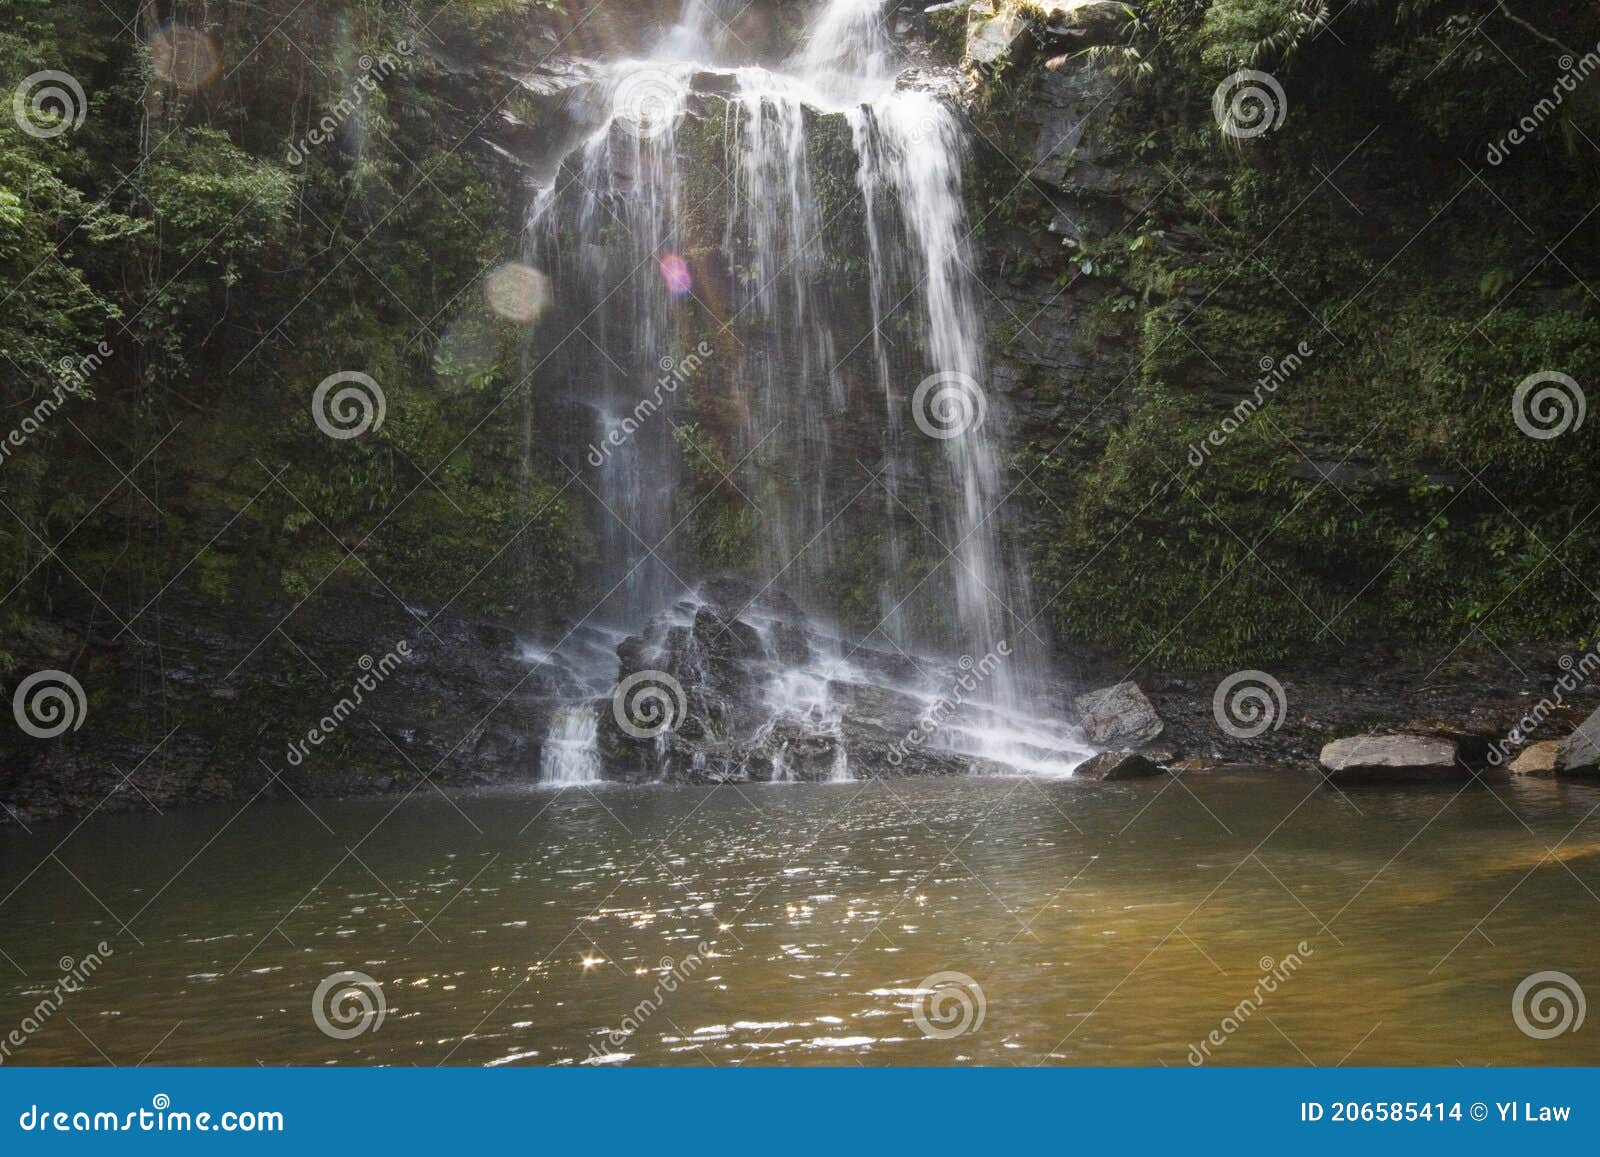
(797, 236)
(571, 753)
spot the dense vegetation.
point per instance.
(192, 267)
(1428, 277)
(230, 260)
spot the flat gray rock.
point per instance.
(1391, 757)
(1118, 716)
(1580, 751)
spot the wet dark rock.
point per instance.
(1114, 765)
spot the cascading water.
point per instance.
(571, 755)
(797, 239)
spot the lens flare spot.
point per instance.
(675, 272)
(183, 56)
(517, 292)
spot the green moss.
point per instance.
(1448, 519)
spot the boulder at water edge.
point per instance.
(1580, 752)
(1118, 716)
(1391, 757)
(1536, 759)
(1110, 765)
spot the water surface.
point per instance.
(1103, 924)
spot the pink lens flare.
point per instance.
(675, 272)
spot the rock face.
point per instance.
(1113, 765)
(1118, 716)
(1000, 29)
(1537, 759)
(1087, 23)
(1580, 752)
(749, 695)
(1384, 757)
(993, 32)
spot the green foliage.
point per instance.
(1425, 294)
(228, 275)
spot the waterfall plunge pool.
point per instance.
(815, 924)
